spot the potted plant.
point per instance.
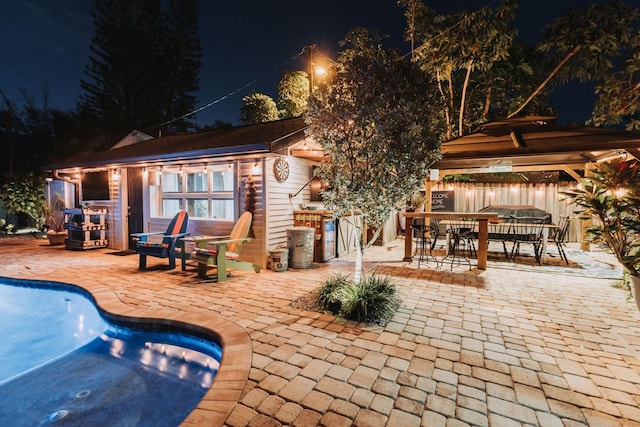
(412, 204)
(54, 220)
(612, 197)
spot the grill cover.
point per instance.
(506, 211)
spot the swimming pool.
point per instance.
(64, 362)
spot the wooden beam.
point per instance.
(308, 154)
(573, 173)
(633, 152)
(532, 168)
(516, 137)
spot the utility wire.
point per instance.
(228, 95)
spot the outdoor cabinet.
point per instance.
(325, 232)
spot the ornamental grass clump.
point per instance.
(373, 299)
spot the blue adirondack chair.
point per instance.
(176, 230)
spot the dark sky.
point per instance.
(247, 44)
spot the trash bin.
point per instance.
(301, 241)
(278, 259)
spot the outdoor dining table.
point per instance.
(482, 219)
(483, 230)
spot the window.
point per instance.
(207, 193)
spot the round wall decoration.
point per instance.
(281, 169)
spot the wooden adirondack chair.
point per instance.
(223, 252)
(176, 230)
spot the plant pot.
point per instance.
(635, 289)
(56, 238)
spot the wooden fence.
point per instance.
(471, 197)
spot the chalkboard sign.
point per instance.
(443, 201)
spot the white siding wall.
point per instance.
(280, 207)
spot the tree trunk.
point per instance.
(635, 289)
(357, 275)
(544, 83)
(446, 108)
(464, 97)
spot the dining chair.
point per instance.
(460, 237)
(422, 235)
(501, 232)
(559, 237)
(528, 230)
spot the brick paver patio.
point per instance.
(503, 347)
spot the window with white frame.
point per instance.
(206, 193)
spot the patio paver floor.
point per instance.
(514, 345)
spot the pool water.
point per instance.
(62, 363)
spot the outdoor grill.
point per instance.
(506, 211)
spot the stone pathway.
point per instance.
(515, 345)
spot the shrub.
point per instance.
(374, 299)
(326, 298)
(23, 196)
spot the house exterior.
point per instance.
(267, 168)
(215, 175)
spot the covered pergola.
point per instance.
(528, 144)
(535, 143)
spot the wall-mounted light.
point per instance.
(145, 172)
(256, 168)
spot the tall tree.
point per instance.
(182, 59)
(258, 108)
(588, 45)
(293, 94)
(459, 49)
(143, 65)
(618, 94)
(32, 132)
(380, 120)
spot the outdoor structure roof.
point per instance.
(511, 145)
(264, 138)
(534, 143)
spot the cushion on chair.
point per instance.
(213, 252)
(153, 245)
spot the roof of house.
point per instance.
(263, 138)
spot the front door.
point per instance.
(134, 201)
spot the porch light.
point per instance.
(256, 168)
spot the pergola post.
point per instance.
(585, 245)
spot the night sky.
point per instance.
(246, 44)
